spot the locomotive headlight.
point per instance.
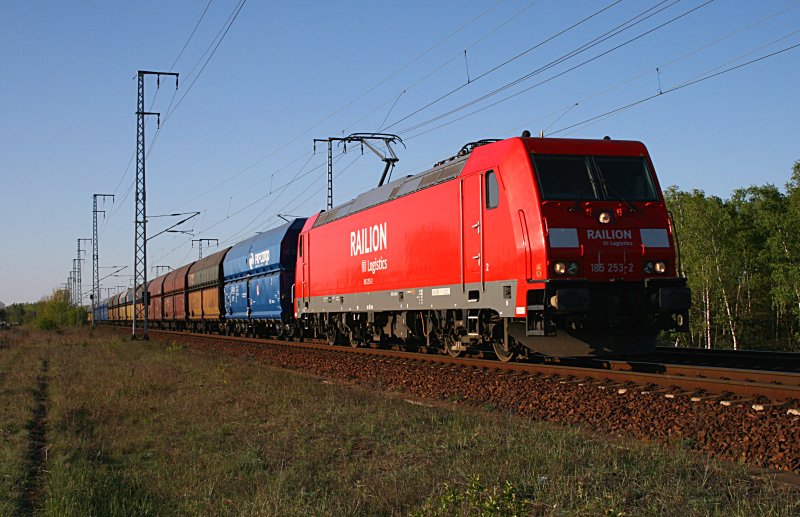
(604, 218)
(566, 268)
(658, 267)
(572, 268)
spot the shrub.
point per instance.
(478, 499)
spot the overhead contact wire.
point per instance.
(679, 87)
(617, 30)
(353, 101)
(512, 59)
(560, 74)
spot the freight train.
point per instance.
(559, 247)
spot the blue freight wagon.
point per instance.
(101, 311)
(258, 276)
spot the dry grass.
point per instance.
(146, 428)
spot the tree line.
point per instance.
(50, 313)
(741, 257)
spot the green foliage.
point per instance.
(15, 313)
(477, 499)
(742, 260)
(50, 313)
(57, 312)
(174, 346)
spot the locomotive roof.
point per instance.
(450, 169)
(443, 171)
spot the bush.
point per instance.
(55, 312)
(477, 499)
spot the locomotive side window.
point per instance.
(626, 178)
(492, 190)
(565, 177)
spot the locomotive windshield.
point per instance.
(587, 178)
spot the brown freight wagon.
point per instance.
(155, 311)
(174, 298)
(206, 290)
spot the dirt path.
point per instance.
(37, 444)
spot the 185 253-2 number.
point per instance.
(611, 267)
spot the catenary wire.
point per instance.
(560, 74)
(617, 30)
(438, 68)
(512, 59)
(345, 106)
(299, 175)
(152, 103)
(223, 31)
(679, 87)
(235, 15)
(172, 66)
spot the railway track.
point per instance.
(731, 385)
(749, 359)
(745, 383)
(734, 414)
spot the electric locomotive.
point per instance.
(561, 247)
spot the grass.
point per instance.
(160, 429)
(19, 366)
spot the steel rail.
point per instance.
(754, 359)
(776, 386)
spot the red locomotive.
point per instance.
(551, 246)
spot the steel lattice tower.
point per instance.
(96, 252)
(78, 271)
(207, 241)
(329, 203)
(140, 205)
(75, 282)
(77, 268)
(72, 284)
(329, 141)
(140, 227)
(390, 158)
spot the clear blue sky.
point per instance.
(288, 72)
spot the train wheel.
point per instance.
(357, 336)
(452, 347)
(332, 336)
(505, 353)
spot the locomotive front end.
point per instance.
(611, 282)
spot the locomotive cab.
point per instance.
(606, 270)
